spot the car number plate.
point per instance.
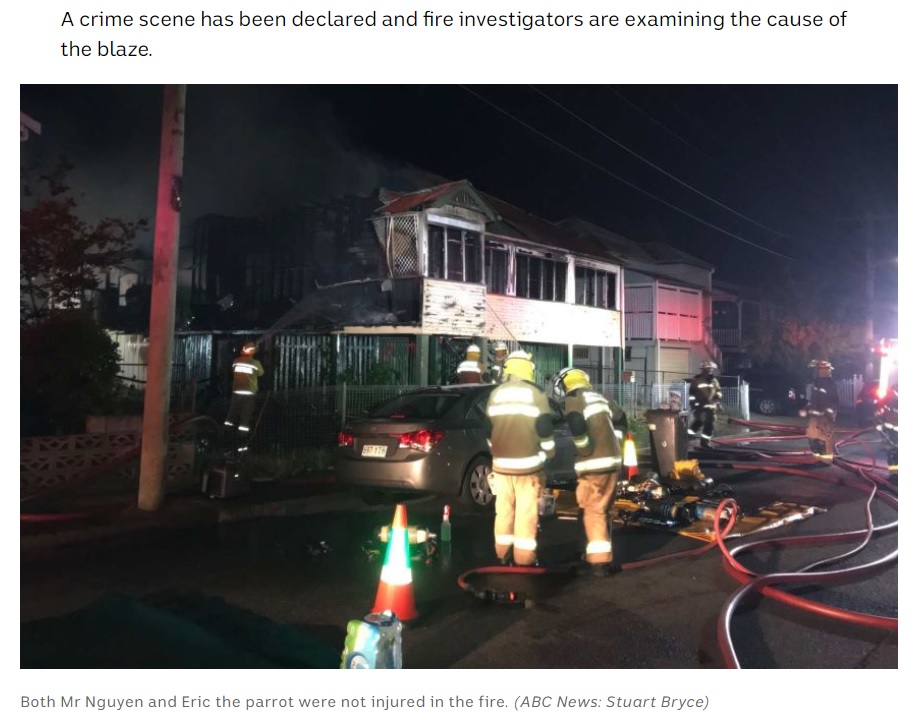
(374, 450)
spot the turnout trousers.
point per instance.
(517, 499)
(241, 411)
(821, 433)
(593, 494)
(703, 417)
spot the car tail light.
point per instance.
(422, 440)
(346, 438)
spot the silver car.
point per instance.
(433, 440)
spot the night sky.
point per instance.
(754, 179)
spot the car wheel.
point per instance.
(768, 406)
(475, 489)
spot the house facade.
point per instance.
(666, 308)
(479, 269)
(408, 284)
(736, 316)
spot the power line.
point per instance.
(623, 180)
(656, 167)
(673, 133)
(807, 208)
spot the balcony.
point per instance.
(727, 337)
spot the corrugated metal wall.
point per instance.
(303, 361)
(548, 360)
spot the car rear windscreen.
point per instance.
(416, 406)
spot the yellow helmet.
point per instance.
(575, 379)
(518, 364)
(248, 349)
(473, 352)
(568, 380)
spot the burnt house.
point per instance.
(249, 272)
(409, 279)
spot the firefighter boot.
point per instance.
(817, 447)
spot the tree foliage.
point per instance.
(61, 256)
(792, 342)
(68, 369)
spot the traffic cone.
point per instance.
(395, 592)
(631, 466)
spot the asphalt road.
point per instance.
(277, 592)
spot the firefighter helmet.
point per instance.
(473, 352)
(707, 364)
(501, 347)
(568, 380)
(248, 349)
(518, 364)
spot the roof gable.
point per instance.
(454, 193)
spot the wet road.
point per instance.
(264, 593)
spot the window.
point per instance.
(416, 406)
(597, 288)
(540, 278)
(454, 254)
(496, 268)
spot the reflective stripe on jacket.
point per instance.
(469, 372)
(705, 389)
(246, 373)
(599, 450)
(513, 409)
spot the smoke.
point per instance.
(249, 150)
(253, 149)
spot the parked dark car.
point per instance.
(433, 440)
(774, 392)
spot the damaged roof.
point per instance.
(454, 192)
(502, 218)
(517, 223)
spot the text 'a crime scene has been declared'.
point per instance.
(107, 47)
(519, 702)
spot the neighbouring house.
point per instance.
(736, 315)
(666, 308)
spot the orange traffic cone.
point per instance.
(395, 592)
(631, 466)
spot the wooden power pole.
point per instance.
(155, 430)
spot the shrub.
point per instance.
(68, 369)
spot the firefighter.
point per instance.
(822, 410)
(246, 373)
(705, 397)
(887, 416)
(592, 419)
(521, 442)
(501, 354)
(471, 370)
